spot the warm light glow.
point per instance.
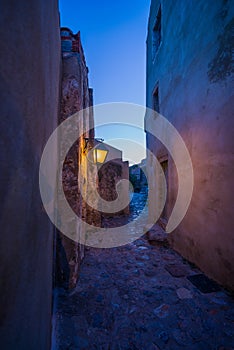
(99, 155)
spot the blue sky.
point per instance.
(113, 35)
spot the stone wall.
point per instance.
(192, 71)
(76, 96)
(109, 175)
(29, 84)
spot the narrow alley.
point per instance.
(138, 296)
(116, 179)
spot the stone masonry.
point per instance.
(75, 96)
(110, 173)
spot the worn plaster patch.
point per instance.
(222, 64)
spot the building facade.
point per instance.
(76, 95)
(110, 173)
(30, 78)
(189, 81)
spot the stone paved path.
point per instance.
(128, 298)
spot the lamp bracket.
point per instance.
(88, 139)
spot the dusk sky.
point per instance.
(113, 35)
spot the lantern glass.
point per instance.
(99, 155)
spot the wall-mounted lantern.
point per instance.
(98, 153)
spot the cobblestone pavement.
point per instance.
(138, 297)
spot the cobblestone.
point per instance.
(126, 301)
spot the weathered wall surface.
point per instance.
(192, 69)
(29, 84)
(109, 175)
(76, 96)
